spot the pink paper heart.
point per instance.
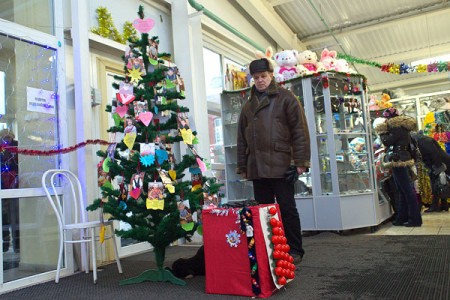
(125, 99)
(146, 117)
(122, 110)
(135, 193)
(143, 26)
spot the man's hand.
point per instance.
(301, 170)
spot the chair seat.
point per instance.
(86, 225)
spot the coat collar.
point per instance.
(272, 89)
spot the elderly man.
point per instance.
(272, 136)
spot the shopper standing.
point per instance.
(438, 163)
(395, 136)
(272, 136)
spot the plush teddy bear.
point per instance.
(342, 65)
(308, 59)
(328, 59)
(286, 61)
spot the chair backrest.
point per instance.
(51, 180)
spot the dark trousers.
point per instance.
(265, 190)
(407, 207)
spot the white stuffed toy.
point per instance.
(286, 61)
(343, 66)
(308, 59)
(328, 59)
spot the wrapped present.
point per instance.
(246, 251)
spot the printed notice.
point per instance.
(40, 100)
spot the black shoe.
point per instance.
(432, 209)
(444, 208)
(398, 223)
(407, 224)
(297, 259)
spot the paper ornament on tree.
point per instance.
(116, 119)
(125, 99)
(135, 193)
(126, 88)
(122, 110)
(135, 75)
(161, 155)
(102, 234)
(170, 188)
(169, 84)
(173, 174)
(144, 26)
(201, 164)
(147, 160)
(154, 204)
(186, 134)
(105, 164)
(129, 139)
(146, 117)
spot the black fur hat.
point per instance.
(260, 65)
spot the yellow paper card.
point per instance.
(154, 204)
(102, 234)
(129, 139)
(170, 188)
(186, 134)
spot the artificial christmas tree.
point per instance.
(150, 193)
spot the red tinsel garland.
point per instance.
(15, 149)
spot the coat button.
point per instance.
(254, 119)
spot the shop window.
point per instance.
(28, 111)
(36, 14)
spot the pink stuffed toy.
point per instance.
(328, 59)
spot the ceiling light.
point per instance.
(431, 60)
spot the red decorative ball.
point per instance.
(279, 263)
(272, 210)
(283, 240)
(273, 222)
(290, 259)
(290, 275)
(282, 280)
(279, 224)
(276, 239)
(278, 247)
(277, 230)
(278, 271)
(276, 254)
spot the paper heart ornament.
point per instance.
(135, 193)
(125, 99)
(129, 139)
(143, 26)
(146, 117)
(201, 165)
(186, 134)
(173, 174)
(122, 110)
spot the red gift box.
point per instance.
(228, 268)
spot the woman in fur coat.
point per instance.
(395, 136)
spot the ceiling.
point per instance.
(382, 31)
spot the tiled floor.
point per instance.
(436, 223)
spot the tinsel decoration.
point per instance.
(424, 184)
(14, 149)
(246, 224)
(107, 29)
(352, 59)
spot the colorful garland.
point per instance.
(402, 68)
(15, 149)
(247, 229)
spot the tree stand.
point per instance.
(160, 274)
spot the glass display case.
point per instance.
(236, 188)
(339, 191)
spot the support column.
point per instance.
(188, 55)
(82, 90)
